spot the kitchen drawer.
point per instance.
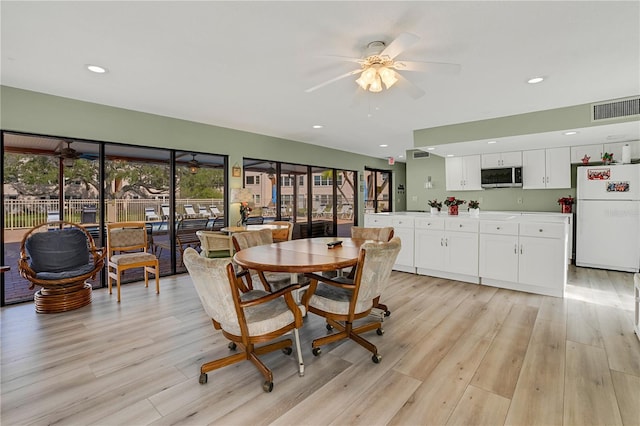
(543, 230)
(436, 223)
(402, 222)
(461, 225)
(376, 221)
(498, 227)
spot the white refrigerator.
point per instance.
(608, 217)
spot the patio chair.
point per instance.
(150, 214)
(328, 212)
(59, 257)
(215, 211)
(189, 212)
(346, 212)
(203, 211)
(246, 319)
(127, 249)
(165, 211)
(53, 215)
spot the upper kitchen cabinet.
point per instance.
(546, 168)
(463, 173)
(593, 152)
(502, 159)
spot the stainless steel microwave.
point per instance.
(504, 177)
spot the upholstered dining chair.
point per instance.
(375, 234)
(271, 281)
(127, 249)
(342, 301)
(282, 234)
(246, 319)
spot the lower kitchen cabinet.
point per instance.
(447, 248)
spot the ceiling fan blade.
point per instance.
(340, 77)
(441, 67)
(414, 91)
(399, 45)
(346, 58)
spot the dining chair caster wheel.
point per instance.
(387, 313)
(380, 332)
(316, 351)
(287, 351)
(267, 386)
(232, 346)
(376, 359)
(203, 378)
(329, 327)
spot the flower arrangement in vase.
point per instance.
(566, 203)
(244, 212)
(474, 207)
(452, 203)
(607, 157)
(435, 206)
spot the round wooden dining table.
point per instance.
(298, 256)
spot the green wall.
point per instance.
(38, 113)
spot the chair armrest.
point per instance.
(270, 296)
(326, 280)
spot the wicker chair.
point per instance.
(60, 256)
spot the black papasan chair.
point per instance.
(60, 256)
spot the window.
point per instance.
(320, 180)
(256, 199)
(287, 181)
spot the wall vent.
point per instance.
(421, 154)
(620, 108)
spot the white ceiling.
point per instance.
(246, 65)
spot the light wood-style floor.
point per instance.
(453, 353)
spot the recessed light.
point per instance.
(430, 149)
(97, 69)
(384, 145)
(571, 132)
(400, 156)
(318, 126)
(449, 155)
(492, 142)
(535, 80)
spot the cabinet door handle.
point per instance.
(446, 242)
(441, 242)
(515, 249)
(498, 228)
(520, 248)
(540, 230)
(460, 226)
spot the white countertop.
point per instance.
(493, 215)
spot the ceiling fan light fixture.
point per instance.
(388, 76)
(193, 164)
(376, 86)
(362, 83)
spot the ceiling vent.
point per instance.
(421, 154)
(611, 110)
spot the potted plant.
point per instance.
(435, 206)
(474, 207)
(453, 203)
(607, 157)
(566, 203)
(244, 212)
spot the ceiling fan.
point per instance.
(379, 66)
(68, 155)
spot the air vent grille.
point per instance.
(421, 154)
(615, 109)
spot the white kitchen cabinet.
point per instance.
(377, 221)
(498, 252)
(462, 173)
(403, 228)
(546, 168)
(501, 159)
(616, 149)
(447, 248)
(533, 258)
(594, 152)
